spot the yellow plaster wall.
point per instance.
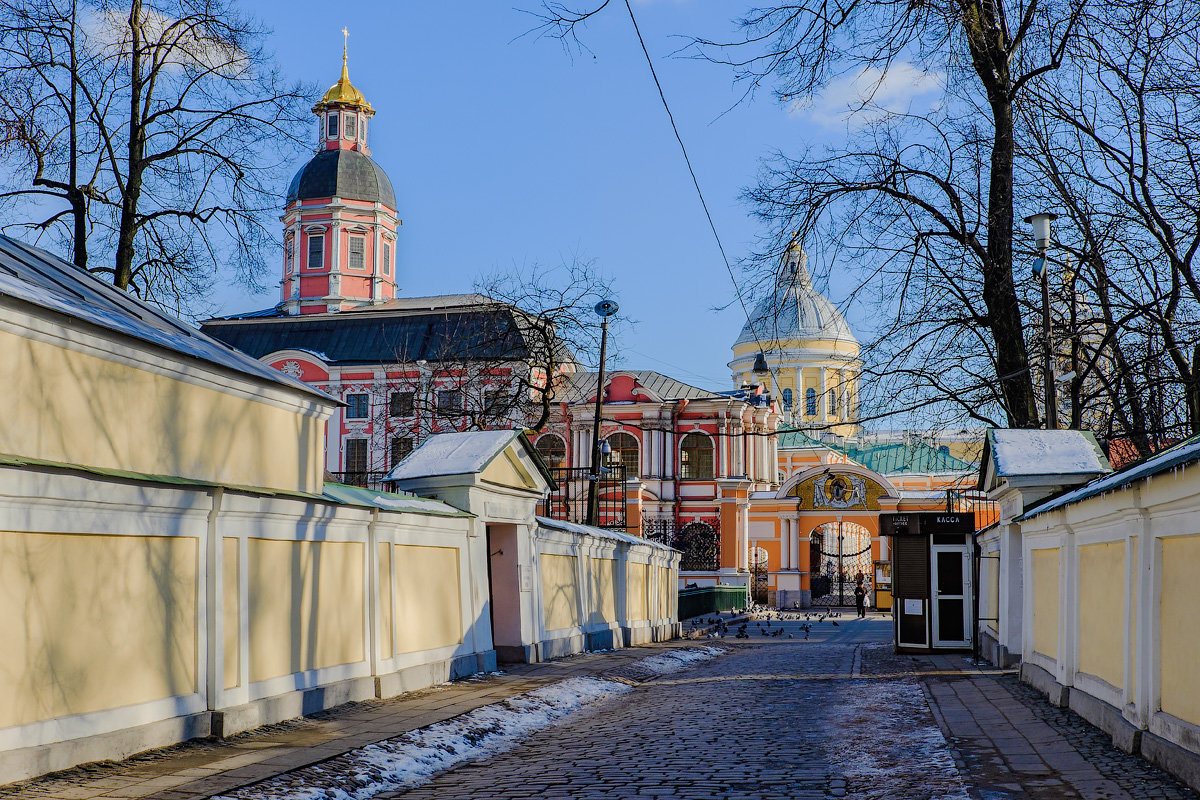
(993, 607)
(560, 591)
(636, 597)
(387, 618)
(94, 622)
(428, 592)
(306, 606)
(130, 419)
(506, 470)
(603, 582)
(1045, 601)
(665, 586)
(230, 612)
(1179, 647)
(1102, 611)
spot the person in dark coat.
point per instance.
(860, 600)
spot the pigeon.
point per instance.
(835, 623)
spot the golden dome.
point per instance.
(343, 92)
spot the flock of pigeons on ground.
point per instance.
(760, 616)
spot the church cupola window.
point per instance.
(351, 126)
(316, 253)
(333, 125)
(810, 402)
(387, 259)
(787, 399)
(358, 246)
(289, 255)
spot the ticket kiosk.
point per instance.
(931, 579)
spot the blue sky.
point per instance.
(504, 150)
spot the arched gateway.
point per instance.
(820, 532)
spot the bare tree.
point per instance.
(1111, 142)
(937, 191)
(500, 363)
(162, 124)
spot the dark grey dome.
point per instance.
(342, 173)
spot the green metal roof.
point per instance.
(900, 457)
(886, 458)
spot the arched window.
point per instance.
(552, 449)
(787, 399)
(625, 451)
(810, 401)
(696, 457)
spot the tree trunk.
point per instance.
(999, 290)
(127, 229)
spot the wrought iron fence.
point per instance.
(569, 502)
(963, 501)
(367, 480)
(698, 541)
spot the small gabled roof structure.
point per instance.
(1183, 454)
(1022, 457)
(495, 456)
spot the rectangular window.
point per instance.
(401, 447)
(316, 253)
(387, 259)
(357, 406)
(356, 458)
(358, 247)
(289, 255)
(351, 125)
(400, 404)
(449, 402)
(493, 401)
(333, 126)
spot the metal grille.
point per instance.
(569, 502)
(364, 478)
(698, 541)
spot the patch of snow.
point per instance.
(675, 660)
(414, 758)
(1054, 452)
(603, 533)
(893, 741)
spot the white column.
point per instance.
(795, 544)
(823, 399)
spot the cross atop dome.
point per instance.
(343, 93)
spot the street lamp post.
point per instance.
(606, 309)
(1041, 271)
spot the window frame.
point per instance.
(393, 447)
(360, 240)
(352, 400)
(319, 240)
(350, 444)
(331, 125)
(561, 448)
(387, 258)
(350, 126)
(449, 409)
(810, 402)
(619, 453)
(401, 408)
(691, 459)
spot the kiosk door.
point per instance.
(951, 592)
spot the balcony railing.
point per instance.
(367, 480)
(569, 502)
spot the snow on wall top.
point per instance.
(603, 533)
(463, 453)
(1037, 452)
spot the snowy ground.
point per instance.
(416, 757)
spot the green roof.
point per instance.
(886, 458)
(898, 457)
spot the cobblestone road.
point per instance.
(838, 715)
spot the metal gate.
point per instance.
(758, 576)
(841, 569)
